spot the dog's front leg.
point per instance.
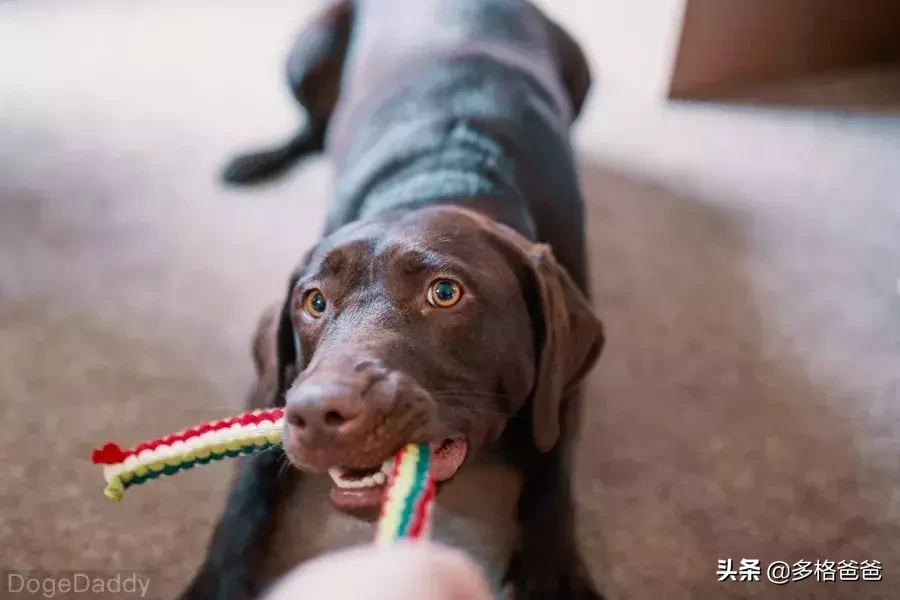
(229, 571)
(548, 564)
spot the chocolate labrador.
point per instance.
(433, 310)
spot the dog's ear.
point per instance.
(275, 355)
(265, 359)
(570, 338)
(287, 346)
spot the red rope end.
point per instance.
(109, 454)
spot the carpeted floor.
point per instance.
(745, 260)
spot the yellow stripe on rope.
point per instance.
(117, 476)
(397, 495)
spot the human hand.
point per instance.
(405, 571)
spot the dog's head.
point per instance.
(431, 326)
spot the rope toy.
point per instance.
(408, 494)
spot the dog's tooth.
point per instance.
(336, 475)
(367, 482)
(379, 478)
(387, 465)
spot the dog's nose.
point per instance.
(322, 410)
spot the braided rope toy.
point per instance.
(408, 495)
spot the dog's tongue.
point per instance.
(446, 458)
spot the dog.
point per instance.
(446, 303)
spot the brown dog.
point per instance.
(433, 310)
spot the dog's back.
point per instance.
(457, 99)
(397, 43)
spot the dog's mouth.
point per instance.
(359, 491)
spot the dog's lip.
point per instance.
(364, 503)
(447, 457)
(360, 491)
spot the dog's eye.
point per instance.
(444, 293)
(314, 303)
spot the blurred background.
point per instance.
(741, 164)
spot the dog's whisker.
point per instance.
(284, 467)
(468, 394)
(478, 411)
(450, 396)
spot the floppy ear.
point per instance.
(570, 339)
(275, 352)
(287, 347)
(265, 359)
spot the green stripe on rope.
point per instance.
(190, 464)
(418, 483)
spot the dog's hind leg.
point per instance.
(313, 69)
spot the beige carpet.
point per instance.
(746, 262)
